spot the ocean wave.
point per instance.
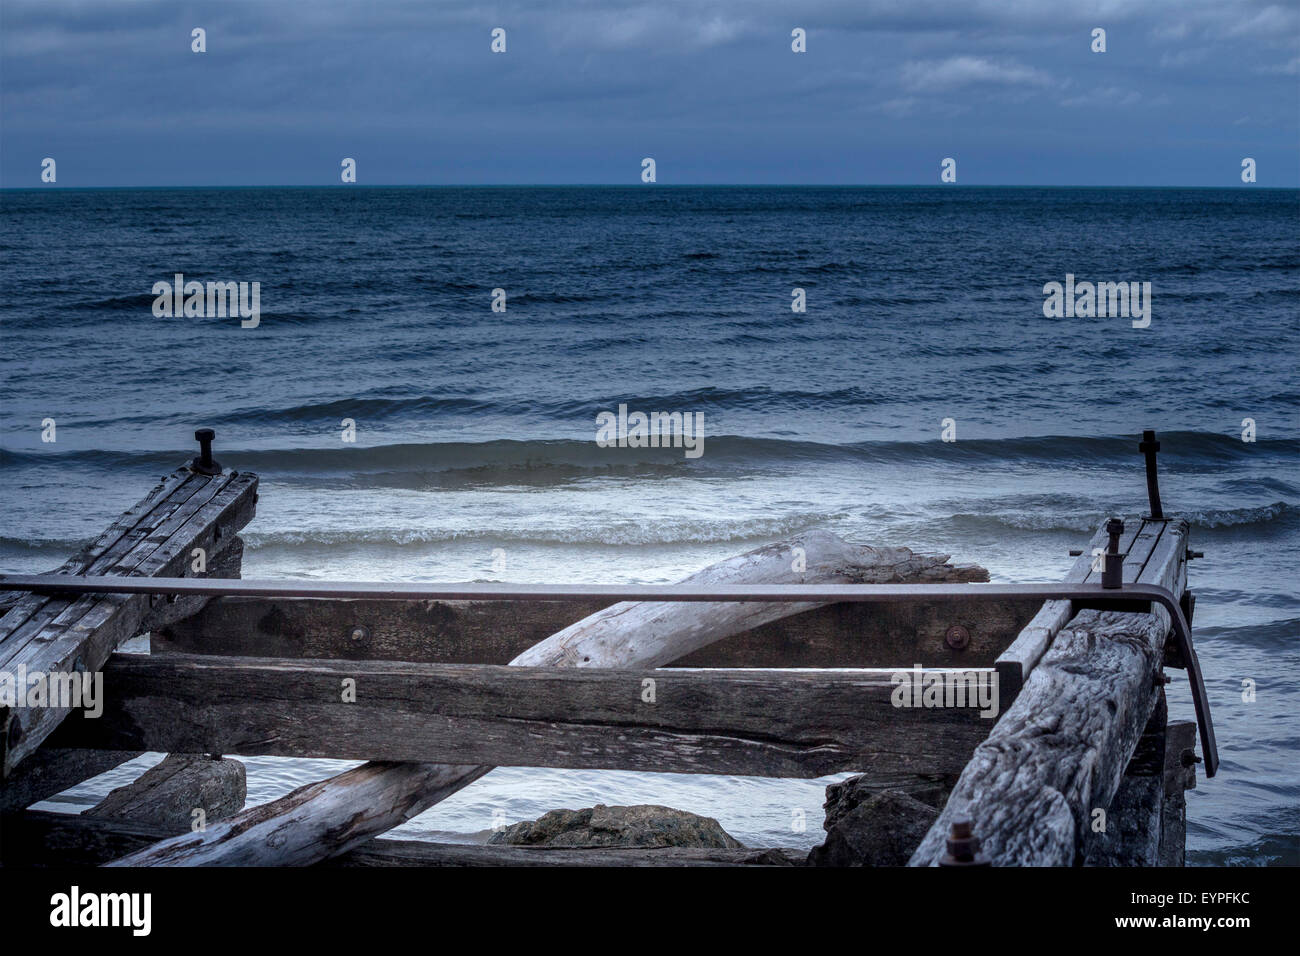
(1260, 516)
(1179, 449)
(611, 533)
(1271, 635)
(1277, 516)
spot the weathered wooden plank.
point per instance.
(32, 610)
(1179, 776)
(1128, 834)
(51, 770)
(320, 820)
(1018, 659)
(181, 792)
(86, 630)
(1060, 751)
(493, 632)
(748, 722)
(228, 563)
(38, 838)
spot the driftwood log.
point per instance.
(39, 838)
(333, 816)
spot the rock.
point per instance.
(844, 796)
(883, 829)
(167, 794)
(642, 825)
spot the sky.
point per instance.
(712, 91)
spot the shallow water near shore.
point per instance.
(475, 430)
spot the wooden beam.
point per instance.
(63, 635)
(321, 820)
(493, 632)
(1131, 832)
(747, 722)
(51, 770)
(1179, 776)
(37, 838)
(228, 563)
(1019, 658)
(1061, 750)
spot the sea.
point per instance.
(923, 397)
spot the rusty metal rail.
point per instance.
(1128, 597)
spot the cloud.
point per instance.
(1289, 68)
(962, 71)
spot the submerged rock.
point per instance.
(872, 828)
(641, 825)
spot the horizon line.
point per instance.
(55, 187)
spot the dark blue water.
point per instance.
(475, 429)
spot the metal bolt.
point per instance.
(963, 847)
(957, 637)
(204, 464)
(1112, 573)
(359, 635)
(1162, 679)
(1190, 759)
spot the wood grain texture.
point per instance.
(1020, 657)
(747, 722)
(61, 635)
(494, 632)
(38, 838)
(51, 770)
(1062, 748)
(337, 815)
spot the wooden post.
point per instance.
(227, 564)
(1179, 777)
(51, 770)
(60, 637)
(1060, 751)
(336, 815)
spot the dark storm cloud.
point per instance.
(711, 90)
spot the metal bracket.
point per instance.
(1149, 446)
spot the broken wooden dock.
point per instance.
(786, 662)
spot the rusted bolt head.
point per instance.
(359, 635)
(957, 637)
